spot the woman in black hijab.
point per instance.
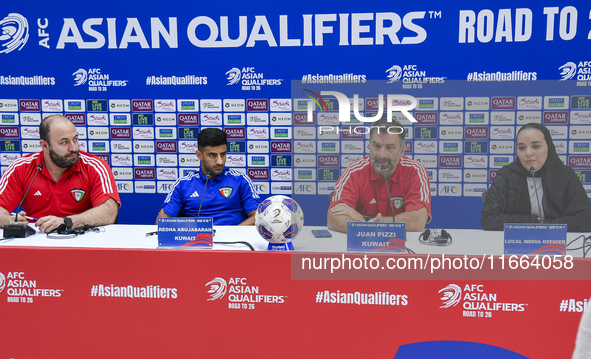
(512, 195)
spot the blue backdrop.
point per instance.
(140, 79)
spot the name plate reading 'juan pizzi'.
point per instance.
(376, 237)
(185, 232)
(533, 238)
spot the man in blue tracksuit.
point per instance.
(229, 198)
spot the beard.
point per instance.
(63, 162)
(378, 167)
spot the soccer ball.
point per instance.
(279, 219)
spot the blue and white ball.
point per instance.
(279, 219)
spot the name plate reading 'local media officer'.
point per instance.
(376, 237)
(185, 232)
(534, 238)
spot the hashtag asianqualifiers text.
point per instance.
(376, 298)
(129, 291)
(176, 80)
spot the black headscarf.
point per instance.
(564, 195)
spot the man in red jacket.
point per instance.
(72, 187)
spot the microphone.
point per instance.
(532, 170)
(383, 170)
(208, 175)
(21, 230)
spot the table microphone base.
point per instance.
(17, 231)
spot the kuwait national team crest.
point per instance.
(398, 202)
(77, 194)
(226, 191)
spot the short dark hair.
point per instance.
(383, 126)
(211, 137)
(45, 125)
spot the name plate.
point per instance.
(185, 232)
(376, 237)
(522, 238)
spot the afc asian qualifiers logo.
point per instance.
(217, 288)
(394, 73)
(2, 282)
(233, 76)
(568, 71)
(80, 77)
(452, 294)
(14, 33)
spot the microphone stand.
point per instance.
(21, 230)
(532, 170)
(208, 175)
(383, 170)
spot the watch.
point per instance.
(68, 223)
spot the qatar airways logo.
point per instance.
(257, 105)
(582, 162)
(166, 146)
(120, 132)
(371, 104)
(258, 174)
(144, 174)
(302, 119)
(426, 118)
(503, 103)
(555, 117)
(30, 105)
(476, 132)
(238, 132)
(281, 146)
(142, 105)
(450, 161)
(77, 118)
(188, 119)
(328, 160)
(11, 132)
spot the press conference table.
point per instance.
(115, 294)
(465, 241)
